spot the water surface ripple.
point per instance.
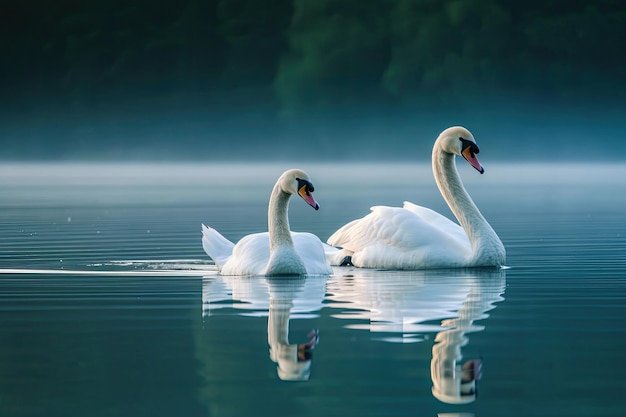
(109, 307)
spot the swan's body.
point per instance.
(278, 251)
(415, 237)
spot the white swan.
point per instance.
(415, 237)
(279, 251)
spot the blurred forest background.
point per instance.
(316, 79)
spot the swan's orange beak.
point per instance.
(470, 156)
(308, 197)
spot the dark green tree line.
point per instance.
(292, 58)
(309, 53)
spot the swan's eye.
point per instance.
(305, 185)
(469, 144)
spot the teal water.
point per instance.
(109, 307)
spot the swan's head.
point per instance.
(458, 140)
(296, 182)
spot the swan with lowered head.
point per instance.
(278, 251)
(415, 237)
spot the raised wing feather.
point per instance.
(216, 246)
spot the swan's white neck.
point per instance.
(283, 257)
(277, 218)
(487, 249)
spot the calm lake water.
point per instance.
(109, 307)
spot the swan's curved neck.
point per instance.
(483, 239)
(277, 218)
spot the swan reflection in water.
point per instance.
(280, 299)
(405, 306)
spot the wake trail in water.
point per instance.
(145, 268)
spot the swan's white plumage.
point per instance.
(415, 237)
(216, 246)
(401, 238)
(301, 254)
(251, 254)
